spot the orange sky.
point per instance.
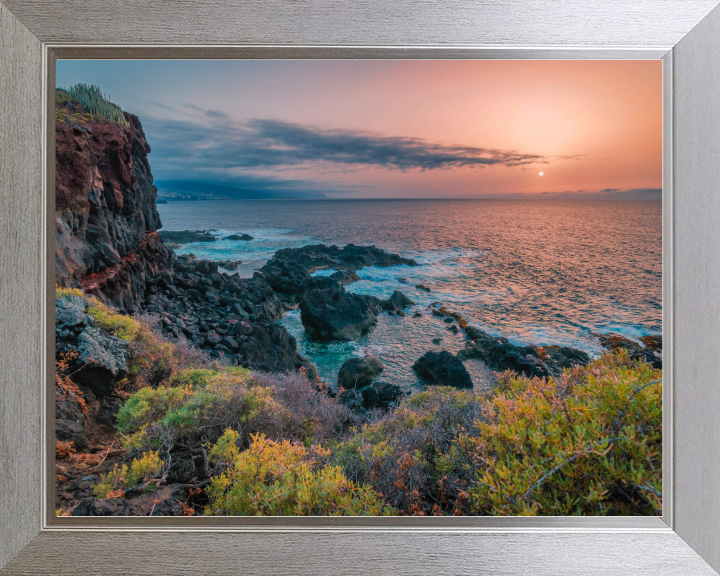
(599, 123)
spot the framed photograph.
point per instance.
(346, 289)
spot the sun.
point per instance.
(542, 173)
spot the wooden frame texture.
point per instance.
(684, 33)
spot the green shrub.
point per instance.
(201, 403)
(156, 417)
(279, 479)
(94, 101)
(589, 443)
(141, 471)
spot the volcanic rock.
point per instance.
(336, 315)
(380, 395)
(359, 372)
(442, 368)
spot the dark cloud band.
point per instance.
(258, 144)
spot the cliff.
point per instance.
(105, 212)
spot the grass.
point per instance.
(94, 101)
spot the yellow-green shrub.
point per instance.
(153, 417)
(589, 442)
(116, 324)
(271, 478)
(141, 471)
(62, 292)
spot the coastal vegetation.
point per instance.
(94, 102)
(587, 441)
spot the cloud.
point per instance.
(285, 143)
(159, 105)
(262, 144)
(217, 114)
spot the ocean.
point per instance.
(536, 271)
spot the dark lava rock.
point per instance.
(186, 236)
(336, 315)
(272, 349)
(635, 351)
(240, 237)
(653, 342)
(105, 507)
(437, 340)
(500, 354)
(289, 269)
(397, 302)
(344, 277)
(359, 372)
(169, 503)
(206, 266)
(381, 395)
(353, 399)
(212, 338)
(108, 407)
(72, 430)
(558, 358)
(230, 264)
(444, 369)
(242, 329)
(422, 287)
(417, 315)
(230, 344)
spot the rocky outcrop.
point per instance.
(651, 352)
(358, 390)
(359, 372)
(186, 236)
(500, 354)
(397, 302)
(99, 358)
(444, 369)
(289, 270)
(105, 205)
(559, 358)
(230, 317)
(333, 314)
(124, 285)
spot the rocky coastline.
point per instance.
(108, 245)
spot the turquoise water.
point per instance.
(538, 272)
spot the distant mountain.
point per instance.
(192, 190)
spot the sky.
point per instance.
(396, 128)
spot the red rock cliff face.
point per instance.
(105, 212)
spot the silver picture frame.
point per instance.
(685, 34)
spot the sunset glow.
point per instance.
(397, 129)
